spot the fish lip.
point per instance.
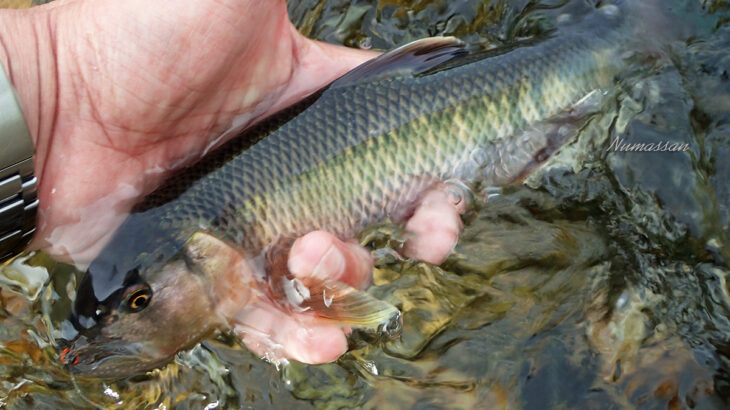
(127, 367)
(107, 359)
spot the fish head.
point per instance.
(139, 324)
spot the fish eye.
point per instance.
(138, 297)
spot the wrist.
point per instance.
(27, 55)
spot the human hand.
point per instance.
(431, 232)
(119, 95)
(117, 99)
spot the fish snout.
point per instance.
(68, 357)
(108, 357)
(72, 352)
(66, 354)
(83, 357)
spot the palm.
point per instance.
(143, 94)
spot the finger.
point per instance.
(434, 228)
(272, 333)
(317, 64)
(320, 254)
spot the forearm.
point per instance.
(27, 53)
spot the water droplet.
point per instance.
(609, 9)
(327, 300)
(393, 326)
(366, 43)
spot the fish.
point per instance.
(361, 150)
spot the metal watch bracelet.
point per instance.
(18, 185)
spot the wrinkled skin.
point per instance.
(119, 95)
(130, 91)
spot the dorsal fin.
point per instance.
(488, 53)
(408, 60)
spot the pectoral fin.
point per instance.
(229, 278)
(329, 300)
(210, 255)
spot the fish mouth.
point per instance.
(107, 359)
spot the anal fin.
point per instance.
(512, 159)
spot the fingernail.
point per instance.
(297, 263)
(331, 265)
(304, 257)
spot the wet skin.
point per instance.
(120, 95)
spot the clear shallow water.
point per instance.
(601, 282)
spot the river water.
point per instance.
(599, 282)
